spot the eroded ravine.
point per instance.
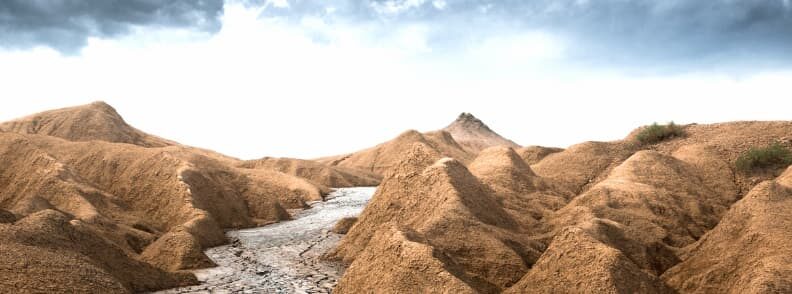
(282, 257)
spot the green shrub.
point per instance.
(775, 155)
(656, 133)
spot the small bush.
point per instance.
(775, 155)
(656, 133)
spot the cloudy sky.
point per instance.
(306, 78)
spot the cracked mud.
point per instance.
(282, 257)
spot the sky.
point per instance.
(299, 78)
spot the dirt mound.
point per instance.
(439, 201)
(160, 203)
(534, 154)
(95, 121)
(318, 173)
(526, 196)
(383, 157)
(474, 135)
(462, 140)
(583, 165)
(608, 217)
(576, 262)
(732, 139)
(403, 265)
(343, 225)
(176, 250)
(662, 203)
(748, 252)
(49, 252)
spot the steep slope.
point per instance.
(576, 262)
(95, 121)
(474, 135)
(582, 165)
(315, 172)
(748, 252)
(534, 154)
(517, 188)
(379, 159)
(148, 205)
(598, 217)
(462, 140)
(47, 252)
(439, 207)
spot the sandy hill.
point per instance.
(383, 157)
(462, 140)
(95, 121)
(437, 204)
(474, 135)
(126, 216)
(598, 217)
(318, 173)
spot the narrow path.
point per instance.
(282, 257)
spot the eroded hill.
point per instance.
(90, 204)
(598, 217)
(463, 139)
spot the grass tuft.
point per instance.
(774, 155)
(656, 133)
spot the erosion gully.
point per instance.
(282, 257)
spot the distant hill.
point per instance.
(319, 173)
(463, 139)
(95, 121)
(474, 135)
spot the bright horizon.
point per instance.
(299, 79)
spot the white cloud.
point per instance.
(279, 3)
(392, 7)
(267, 87)
(439, 4)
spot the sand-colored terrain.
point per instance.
(317, 173)
(597, 217)
(463, 139)
(90, 204)
(474, 135)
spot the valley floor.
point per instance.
(282, 257)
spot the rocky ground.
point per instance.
(283, 257)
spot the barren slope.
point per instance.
(381, 158)
(95, 121)
(147, 204)
(318, 173)
(450, 219)
(462, 140)
(615, 217)
(474, 135)
(748, 252)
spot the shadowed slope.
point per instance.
(748, 252)
(143, 197)
(437, 202)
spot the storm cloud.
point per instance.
(659, 33)
(66, 25)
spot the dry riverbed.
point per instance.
(282, 257)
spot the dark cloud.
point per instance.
(655, 33)
(66, 24)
